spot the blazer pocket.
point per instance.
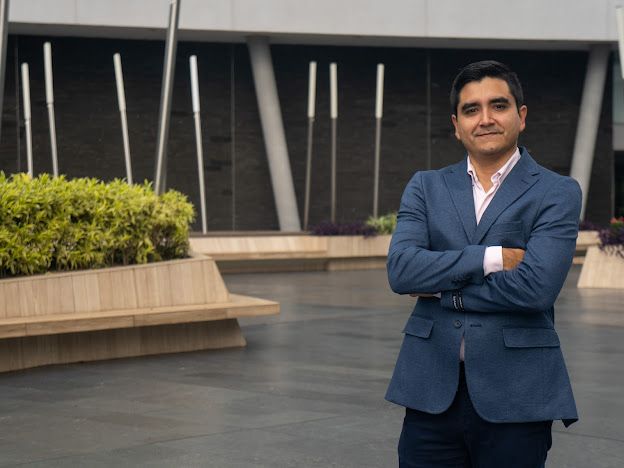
(418, 326)
(506, 235)
(530, 338)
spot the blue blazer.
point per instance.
(515, 370)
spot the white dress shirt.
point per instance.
(493, 258)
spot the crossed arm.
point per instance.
(511, 259)
(530, 280)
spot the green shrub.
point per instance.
(385, 224)
(57, 224)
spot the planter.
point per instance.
(179, 305)
(601, 270)
(586, 239)
(357, 252)
(260, 246)
(291, 252)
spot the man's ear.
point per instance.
(454, 120)
(522, 112)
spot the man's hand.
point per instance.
(512, 258)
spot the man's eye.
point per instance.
(470, 110)
(500, 106)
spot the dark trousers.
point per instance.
(459, 437)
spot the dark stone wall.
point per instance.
(239, 194)
(403, 136)
(87, 116)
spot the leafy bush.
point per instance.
(327, 228)
(385, 224)
(58, 224)
(612, 237)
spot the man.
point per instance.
(486, 244)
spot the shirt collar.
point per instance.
(498, 176)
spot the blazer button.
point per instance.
(457, 324)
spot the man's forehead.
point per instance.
(488, 86)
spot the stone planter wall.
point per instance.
(601, 270)
(165, 307)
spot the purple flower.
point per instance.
(612, 237)
(357, 228)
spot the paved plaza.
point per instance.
(306, 392)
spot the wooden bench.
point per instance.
(165, 307)
(254, 252)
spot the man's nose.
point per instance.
(486, 117)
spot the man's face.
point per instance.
(488, 122)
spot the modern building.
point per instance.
(255, 149)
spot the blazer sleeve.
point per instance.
(536, 282)
(412, 267)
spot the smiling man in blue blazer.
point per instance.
(486, 244)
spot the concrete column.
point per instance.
(589, 117)
(171, 46)
(273, 130)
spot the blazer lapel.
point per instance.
(459, 186)
(519, 180)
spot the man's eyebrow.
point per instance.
(496, 100)
(468, 105)
(500, 100)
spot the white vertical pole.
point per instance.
(49, 87)
(333, 113)
(311, 113)
(378, 117)
(312, 90)
(333, 90)
(121, 99)
(198, 139)
(27, 116)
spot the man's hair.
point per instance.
(487, 68)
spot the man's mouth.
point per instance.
(487, 134)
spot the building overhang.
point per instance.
(113, 32)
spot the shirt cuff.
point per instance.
(492, 260)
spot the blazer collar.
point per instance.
(459, 185)
(520, 179)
